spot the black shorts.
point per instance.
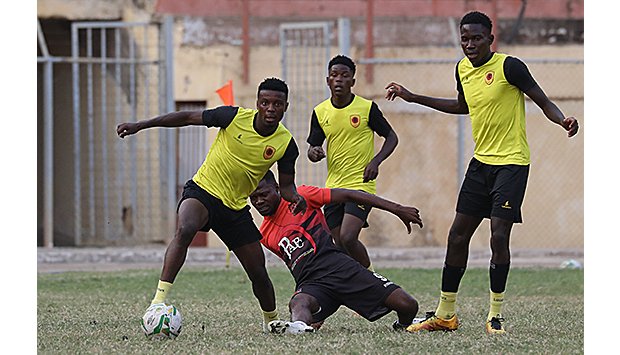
(234, 228)
(352, 286)
(493, 191)
(334, 213)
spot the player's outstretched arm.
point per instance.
(288, 191)
(456, 106)
(552, 112)
(173, 119)
(409, 215)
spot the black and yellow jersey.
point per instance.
(239, 157)
(350, 140)
(494, 94)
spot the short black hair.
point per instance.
(269, 178)
(477, 17)
(342, 59)
(274, 84)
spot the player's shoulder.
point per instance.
(246, 112)
(312, 192)
(362, 99)
(464, 62)
(308, 189)
(325, 104)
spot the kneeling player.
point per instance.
(325, 276)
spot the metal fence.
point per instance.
(100, 190)
(429, 164)
(305, 49)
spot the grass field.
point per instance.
(86, 312)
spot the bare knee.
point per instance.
(299, 302)
(185, 233)
(402, 302)
(258, 274)
(458, 240)
(500, 247)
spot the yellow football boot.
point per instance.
(494, 326)
(432, 323)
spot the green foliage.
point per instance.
(88, 312)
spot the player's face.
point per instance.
(271, 106)
(265, 199)
(340, 80)
(476, 42)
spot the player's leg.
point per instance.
(354, 219)
(405, 305)
(508, 193)
(349, 238)
(192, 216)
(334, 213)
(303, 306)
(474, 203)
(457, 254)
(498, 272)
(252, 259)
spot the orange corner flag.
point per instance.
(226, 94)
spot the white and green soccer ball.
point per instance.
(162, 321)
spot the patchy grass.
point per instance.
(88, 312)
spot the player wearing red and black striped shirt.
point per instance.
(325, 276)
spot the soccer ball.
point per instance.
(161, 321)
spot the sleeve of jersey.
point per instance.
(316, 197)
(316, 137)
(459, 86)
(286, 164)
(517, 74)
(377, 122)
(220, 116)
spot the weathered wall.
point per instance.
(422, 170)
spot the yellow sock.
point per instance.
(371, 268)
(269, 316)
(496, 302)
(163, 288)
(447, 305)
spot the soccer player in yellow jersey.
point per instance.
(491, 88)
(248, 143)
(348, 122)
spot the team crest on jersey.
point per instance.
(488, 77)
(355, 120)
(269, 152)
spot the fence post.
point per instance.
(344, 36)
(48, 102)
(171, 147)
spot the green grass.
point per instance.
(88, 312)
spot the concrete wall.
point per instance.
(422, 171)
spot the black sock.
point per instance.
(498, 273)
(451, 278)
(399, 326)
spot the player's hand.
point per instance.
(396, 90)
(126, 129)
(298, 205)
(409, 216)
(571, 125)
(316, 154)
(372, 171)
